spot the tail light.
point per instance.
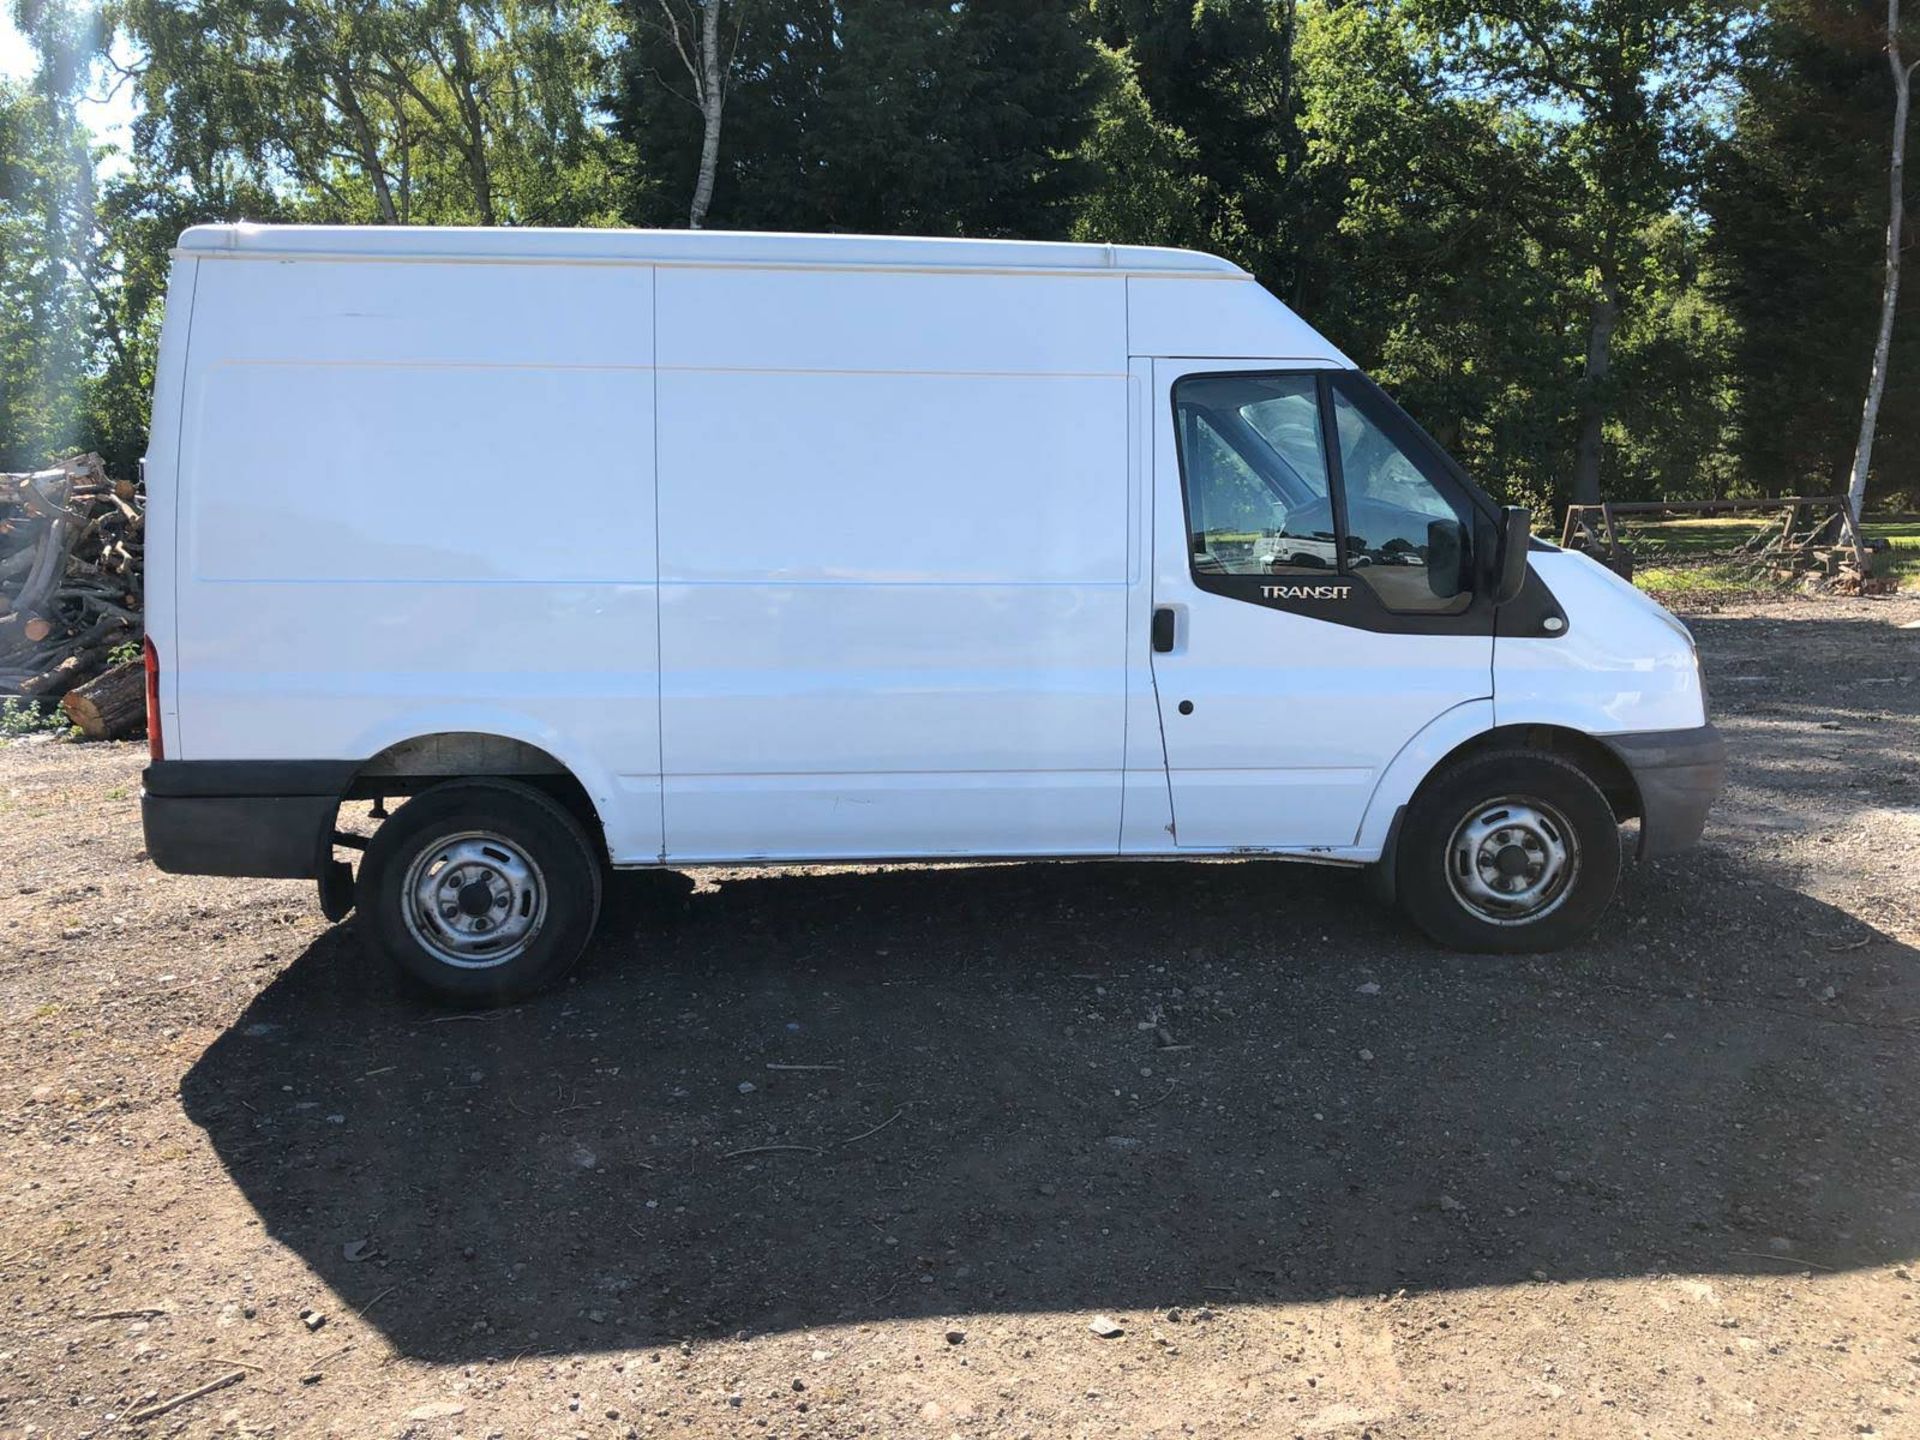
(150, 658)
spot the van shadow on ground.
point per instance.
(1087, 1087)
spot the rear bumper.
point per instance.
(1679, 774)
(272, 819)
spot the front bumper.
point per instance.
(266, 818)
(1679, 774)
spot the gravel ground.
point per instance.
(869, 1152)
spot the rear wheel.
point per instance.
(1509, 851)
(481, 891)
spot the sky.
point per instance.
(104, 111)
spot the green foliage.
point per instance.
(1441, 284)
(46, 265)
(1671, 432)
(20, 717)
(1627, 244)
(887, 117)
(1146, 186)
(1223, 75)
(1797, 195)
(349, 111)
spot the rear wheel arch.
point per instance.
(418, 763)
(407, 767)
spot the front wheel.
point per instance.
(1511, 851)
(480, 891)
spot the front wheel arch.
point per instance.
(1591, 756)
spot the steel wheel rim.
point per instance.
(474, 900)
(1513, 861)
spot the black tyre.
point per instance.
(1511, 851)
(480, 891)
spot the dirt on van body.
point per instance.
(1088, 1150)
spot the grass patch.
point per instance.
(1704, 581)
(1693, 560)
(1903, 564)
(1707, 535)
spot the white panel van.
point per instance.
(625, 548)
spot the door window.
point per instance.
(1392, 511)
(1259, 500)
(1264, 497)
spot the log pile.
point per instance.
(70, 590)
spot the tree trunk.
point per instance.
(404, 142)
(712, 94)
(474, 119)
(1593, 408)
(110, 706)
(368, 146)
(1890, 290)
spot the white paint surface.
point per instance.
(789, 547)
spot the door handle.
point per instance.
(1163, 630)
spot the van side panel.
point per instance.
(894, 563)
(1223, 318)
(417, 498)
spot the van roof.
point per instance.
(687, 247)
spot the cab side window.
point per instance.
(1259, 498)
(1392, 509)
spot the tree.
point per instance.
(1148, 189)
(695, 32)
(1671, 430)
(1796, 196)
(1224, 75)
(1437, 279)
(1890, 286)
(1618, 93)
(891, 116)
(48, 266)
(45, 324)
(447, 111)
(453, 111)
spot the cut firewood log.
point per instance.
(111, 706)
(52, 683)
(50, 555)
(13, 637)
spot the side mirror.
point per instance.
(1447, 573)
(1516, 532)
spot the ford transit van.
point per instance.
(623, 548)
